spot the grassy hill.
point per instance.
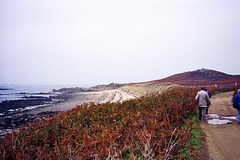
(148, 88)
(202, 77)
(207, 77)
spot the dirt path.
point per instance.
(223, 141)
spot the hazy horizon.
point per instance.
(91, 85)
(94, 42)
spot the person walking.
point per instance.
(236, 101)
(202, 100)
(209, 95)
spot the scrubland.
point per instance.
(156, 126)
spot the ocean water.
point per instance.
(16, 92)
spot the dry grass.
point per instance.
(149, 88)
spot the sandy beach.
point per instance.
(78, 98)
(114, 95)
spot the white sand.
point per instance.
(117, 95)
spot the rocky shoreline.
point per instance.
(14, 113)
(10, 123)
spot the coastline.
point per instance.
(71, 98)
(112, 95)
(15, 113)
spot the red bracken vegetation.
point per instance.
(155, 126)
(236, 91)
(151, 127)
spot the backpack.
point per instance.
(235, 102)
(236, 106)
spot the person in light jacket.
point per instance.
(203, 101)
(236, 99)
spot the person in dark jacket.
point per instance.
(236, 100)
(209, 95)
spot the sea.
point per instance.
(17, 92)
(13, 117)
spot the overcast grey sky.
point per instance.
(104, 41)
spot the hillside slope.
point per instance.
(201, 77)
